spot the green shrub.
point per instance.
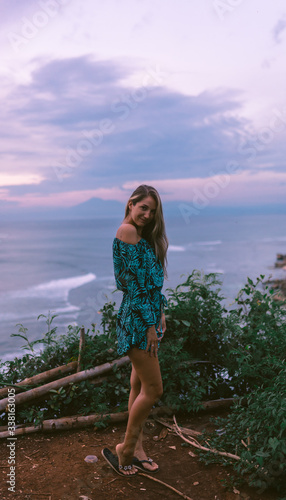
(84, 397)
(256, 350)
(255, 430)
(208, 352)
(193, 352)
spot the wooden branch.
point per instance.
(165, 484)
(218, 403)
(79, 421)
(98, 381)
(185, 430)
(66, 423)
(73, 422)
(41, 377)
(195, 443)
(81, 348)
(63, 382)
(21, 430)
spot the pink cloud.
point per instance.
(245, 187)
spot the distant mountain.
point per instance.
(94, 208)
(98, 208)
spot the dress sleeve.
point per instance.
(130, 273)
(164, 302)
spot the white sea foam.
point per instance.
(23, 305)
(176, 248)
(273, 240)
(56, 289)
(208, 243)
(11, 355)
(214, 270)
(33, 314)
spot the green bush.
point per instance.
(255, 430)
(257, 349)
(193, 352)
(83, 397)
(208, 352)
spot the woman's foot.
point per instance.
(125, 459)
(149, 465)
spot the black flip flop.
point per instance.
(139, 465)
(112, 460)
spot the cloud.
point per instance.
(81, 129)
(278, 29)
(16, 180)
(230, 187)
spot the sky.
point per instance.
(99, 97)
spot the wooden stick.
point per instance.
(81, 348)
(63, 382)
(218, 403)
(185, 430)
(41, 377)
(197, 445)
(165, 484)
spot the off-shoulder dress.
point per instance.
(139, 275)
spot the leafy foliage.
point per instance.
(256, 431)
(208, 352)
(257, 349)
(193, 353)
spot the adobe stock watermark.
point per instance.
(11, 408)
(48, 9)
(90, 308)
(249, 147)
(223, 7)
(211, 189)
(122, 107)
(257, 143)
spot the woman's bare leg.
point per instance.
(139, 450)
(148, 371)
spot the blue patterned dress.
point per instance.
(139, 275)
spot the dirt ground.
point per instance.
(52, 467)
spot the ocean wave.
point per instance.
(176, 248)
(272, 240)
(211, 269)
(56, 289)
(9, 356)
(208, 243)
(32, 315)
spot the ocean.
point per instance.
(65, 267)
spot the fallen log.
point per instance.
(76, 422)
(63, 382)
(41, 377)
(66, 423)
(218, 403)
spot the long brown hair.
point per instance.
(154, 232)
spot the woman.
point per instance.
(139, 254)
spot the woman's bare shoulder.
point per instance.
(127, 233)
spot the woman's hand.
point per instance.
(163, 326)
(152, 341)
